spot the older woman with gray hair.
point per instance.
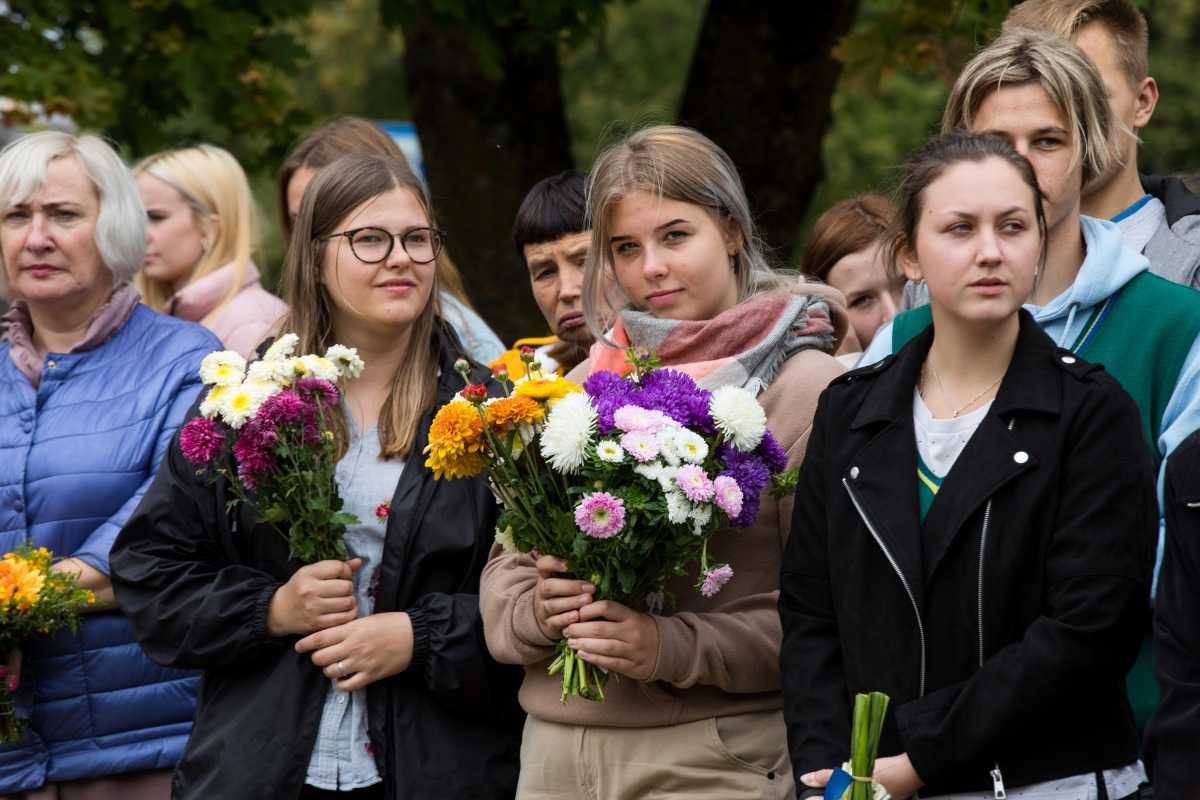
(92, 387)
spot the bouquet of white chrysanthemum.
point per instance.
(627, 478)
(264, 428)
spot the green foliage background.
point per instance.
(250, 75)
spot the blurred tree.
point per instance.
(148, 72)
(631, 72)
(761, 80)
(483, 86)
(355, 64)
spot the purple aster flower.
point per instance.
(608, 392)
(714, 579)
(677, 395)
(600, 515)
(773, 453)
(200, 441)
(695, 483)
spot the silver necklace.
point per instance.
(954, 411)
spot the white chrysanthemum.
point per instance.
(666, 446)
(282, 347)
(241, 402)
(222, 368)
(651, 470)
(311, 366)
(526, 431)
(739, 416)
(701, 514)
(568, 432)
(346, 360)
(689, 446)
(679, 508)
(611, 452)
(277, 372)
(505, 539)
(210, 407)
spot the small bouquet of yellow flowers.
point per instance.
(33, 599)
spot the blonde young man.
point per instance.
(1157, 215)
(552, 236)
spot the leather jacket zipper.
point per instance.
(997, 776)
(903, 580)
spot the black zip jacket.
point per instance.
(1173, 733)
(1034, 560)
(195, 582)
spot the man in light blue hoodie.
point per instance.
(1094, 296)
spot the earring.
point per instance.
(203, 248)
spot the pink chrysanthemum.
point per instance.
(642, 445)
(600, 515)
(728, 495)
(695, 484)
(714, 579)
(321, 391)
(280, 409)
(633, 418)
(200, 441)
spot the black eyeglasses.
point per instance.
(372, 245)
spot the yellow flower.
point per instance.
(455, 449)
(552, 389)
(508, 411)
(21, 582)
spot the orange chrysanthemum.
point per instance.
(454, 448)
(502, 414)
(554, 389)
(20, 581)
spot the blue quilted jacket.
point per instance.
(76, 455)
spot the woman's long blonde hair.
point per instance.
(213, 183)
(679, 164)
(334, 193)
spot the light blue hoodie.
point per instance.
(1108, 266)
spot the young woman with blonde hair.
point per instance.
(203, 231)
(694, 707)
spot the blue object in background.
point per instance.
(404, 134)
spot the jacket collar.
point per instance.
(1030, 382)
(995, 454)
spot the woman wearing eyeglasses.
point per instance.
(360, 679)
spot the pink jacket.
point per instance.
(244, 322)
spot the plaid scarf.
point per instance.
(744, 346)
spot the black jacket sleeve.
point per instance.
(190, 607)
(1097, 570)
(815, 702)
(1174, 730)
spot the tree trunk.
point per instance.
(760, 85)
(487, 139)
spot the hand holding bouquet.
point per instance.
(265, 428)
(33, 599)
(627, 478)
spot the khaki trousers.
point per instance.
(744, 755)
(149, 784)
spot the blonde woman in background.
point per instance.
(202, 230)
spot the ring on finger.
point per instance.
(546, 608)
(341, 670)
